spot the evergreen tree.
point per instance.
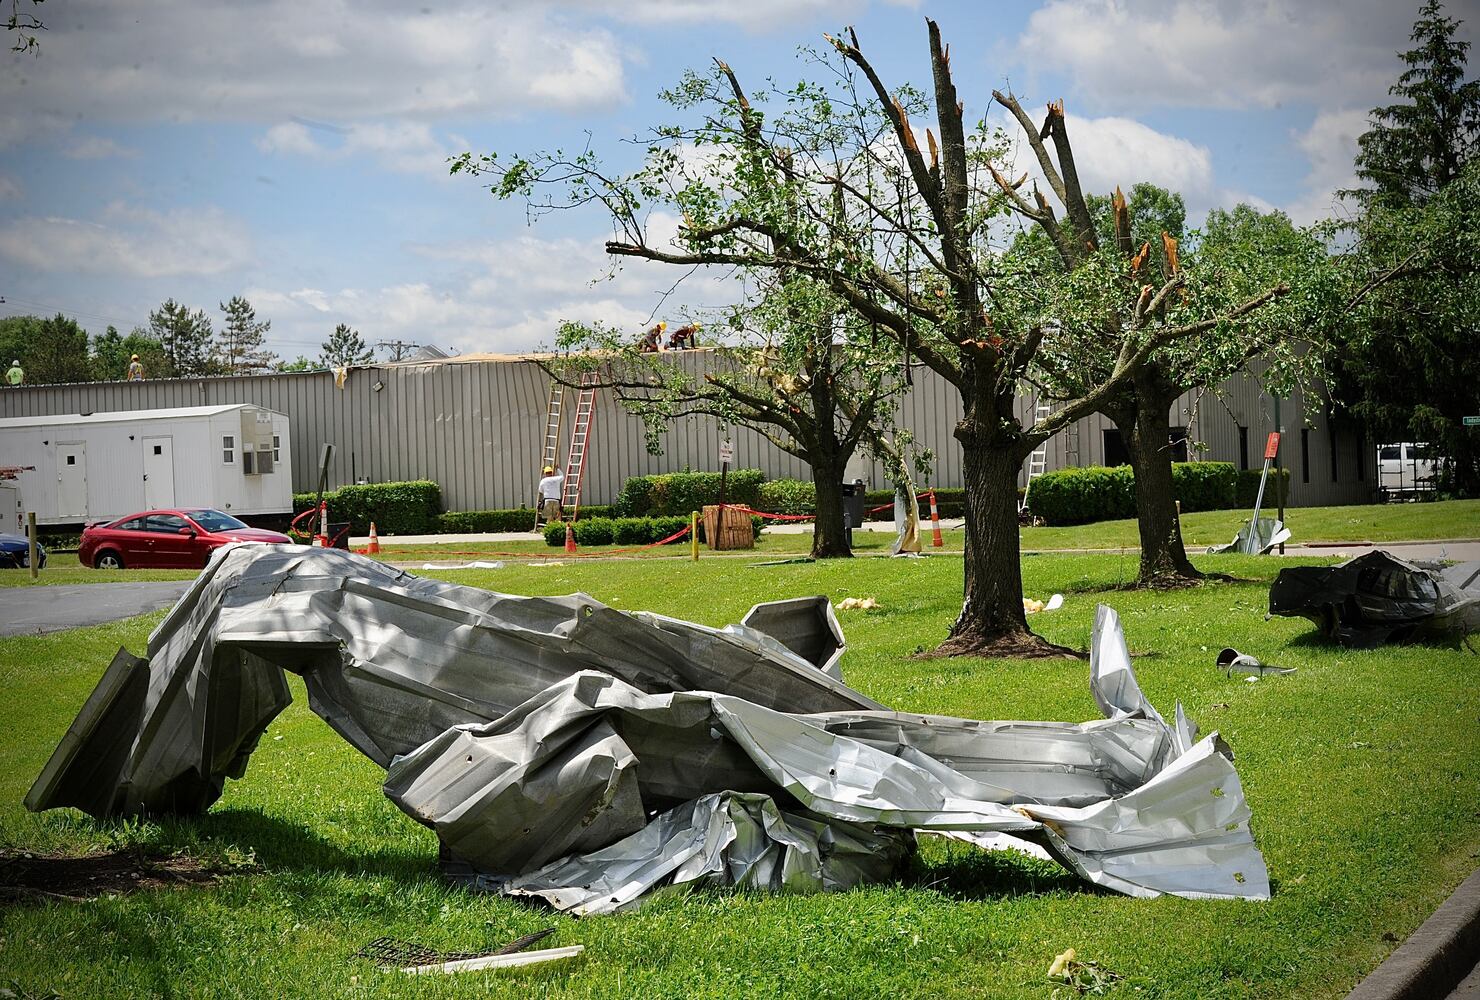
(241, 348)
(1418, 146)
(1407, 364)
(345, 347)
(298, 364)
(50, 350)
(112, 351)
(185, 337)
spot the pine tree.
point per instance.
(345, 347)
(185, 337)
(1418, 146)
(241, 347)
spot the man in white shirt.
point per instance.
(551, 488)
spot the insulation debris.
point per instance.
(1377, 598)
(568, 752)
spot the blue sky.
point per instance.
(294, 152)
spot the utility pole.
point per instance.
(398, 348)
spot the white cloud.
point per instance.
(9, 188)
(337, 61)
(1220, 53)
(1330, 144)
(95, 147)
(406, 147)
(130, 241)
(754, 16)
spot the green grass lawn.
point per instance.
(1360, 769)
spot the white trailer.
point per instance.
(98, 466)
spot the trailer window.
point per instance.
(228, 449)
(277, 443)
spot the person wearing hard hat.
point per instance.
(652, 341)
(17, 374)
(551, 488)
(135, 370)
(684, 338)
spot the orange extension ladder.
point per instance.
(580, 444)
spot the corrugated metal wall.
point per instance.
(477, 428)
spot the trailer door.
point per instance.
(72, 479)
(159, 472)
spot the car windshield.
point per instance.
(214, 520)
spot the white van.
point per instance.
(1406, 468)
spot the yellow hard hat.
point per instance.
(662, 327)
(134, 358)
(549, 469)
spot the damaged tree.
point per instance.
(795, 377)
(837, 187)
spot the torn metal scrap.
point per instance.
(567, 751)
(1256, 537)
(1231, 661)
(1377, 598)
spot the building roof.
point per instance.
(123, 416)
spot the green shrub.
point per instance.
(787, 496)
(1247, 488)
(505, 519)
(1097, 493)
(410, 508)
(621, 531)
(676, 493)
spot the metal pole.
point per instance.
(31, 542)
(694, 535)
(1279, 469)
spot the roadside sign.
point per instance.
(1272, 446)
(1472, 421)
(726, 452)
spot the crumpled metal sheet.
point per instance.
(589, 757)
(1256, 537)
(1377, 598)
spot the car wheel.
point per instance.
(108, 559)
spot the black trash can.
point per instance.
(853, 498)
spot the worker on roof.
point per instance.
(684, 337)
(550, 490)
(135, 370)
(652, 341)
(16, 375)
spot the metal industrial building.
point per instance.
(475, 425)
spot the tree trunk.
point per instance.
(1147, 432)
(992, 622)
(829, 539)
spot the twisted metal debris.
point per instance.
(584, 756)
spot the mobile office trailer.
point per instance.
(98, 466)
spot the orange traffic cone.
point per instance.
(570, 539)
(374, 547)
(937, 541)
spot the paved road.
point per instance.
(33, 610)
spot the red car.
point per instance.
(166, 539)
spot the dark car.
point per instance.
(15, 552)
(166, 539)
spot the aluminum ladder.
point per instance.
(550, 456)
(580, 442)
(1038, 461)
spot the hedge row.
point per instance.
(626, 530)
(1097, 493)
(679, 493)
(396, 508)
(1247, 489)
(799, 496)
(459, 522)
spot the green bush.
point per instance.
(396, 508)
(622, 531)
(676, 493)
(1247, 489)
(506, 519)
(1097, 493)
(787, 496)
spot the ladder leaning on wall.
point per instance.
(550, 456)
(1038, 461)
(580, 445)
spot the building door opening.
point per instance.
(71, 479)
(1116, 453)
(159, 472)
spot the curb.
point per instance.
(1436, 957)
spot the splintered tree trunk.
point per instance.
(992, 622)
(1164, 561)
(829, 539)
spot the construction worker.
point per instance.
(135, 370)
(652, 341)
(16, 375)
(550, 489)
(683, 338)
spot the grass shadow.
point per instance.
(966, 873)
